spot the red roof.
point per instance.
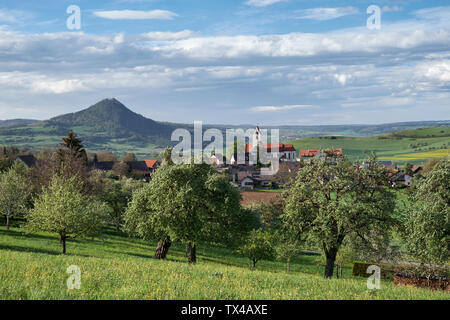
(311, 153)
(151, 164)
(336, 152)
(308, 153)
(268, 147)
(416, 169)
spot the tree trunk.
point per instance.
(337, 272)
(329, 267)
(118, 227)
(163, 248)
(289, 265)
(62, 240)
(192, 257)
(7, 222)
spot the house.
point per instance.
(286, 152)
(250, 181)
(306, 155)
(332, 152)
(400, 180)
(416, 169)
(104, 166)
(139, 168)
(218, 160)
(287, 171)
(28, 160)
(264, 181)
(152, 165)
(392, 168)
(245, 180)
(388, 165)
(235, 161)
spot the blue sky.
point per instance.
(233, 61)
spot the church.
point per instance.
(286, 152)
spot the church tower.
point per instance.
(257, 138)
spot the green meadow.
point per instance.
(413, 148)
(119, 267)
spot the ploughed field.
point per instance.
(119, 267)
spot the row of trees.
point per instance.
(333, 205)
(351, 212)
(61, 195)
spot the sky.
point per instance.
(266, 62)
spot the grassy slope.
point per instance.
(40, 137)
(118, 267)
(395, 147)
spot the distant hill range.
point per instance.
(16, 123)
(109, 125)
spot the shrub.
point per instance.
(258, 246)
(360, 269)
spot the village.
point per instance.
(248, 176)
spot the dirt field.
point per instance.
(249, 197)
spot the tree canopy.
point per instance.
(15, 192)
(186, 202)
(62, 208)
(332, 200)
(427, 226)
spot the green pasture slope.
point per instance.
(40, 137)
(119, 267)
(414, 146)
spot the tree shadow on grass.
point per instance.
(19, 233)
(38, 250)
(27, 249)
(140, 255)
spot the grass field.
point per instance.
(397, 149)
(415, 156)
(119, 267)
(429, 132)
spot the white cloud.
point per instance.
(342, 78)
(280, 108)
(165, 36)
(382, 75)
(136, 14)
(437, 70)
(58, 86)
(325, 13)
(262, 3)
(359, 41)
(39, 83)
